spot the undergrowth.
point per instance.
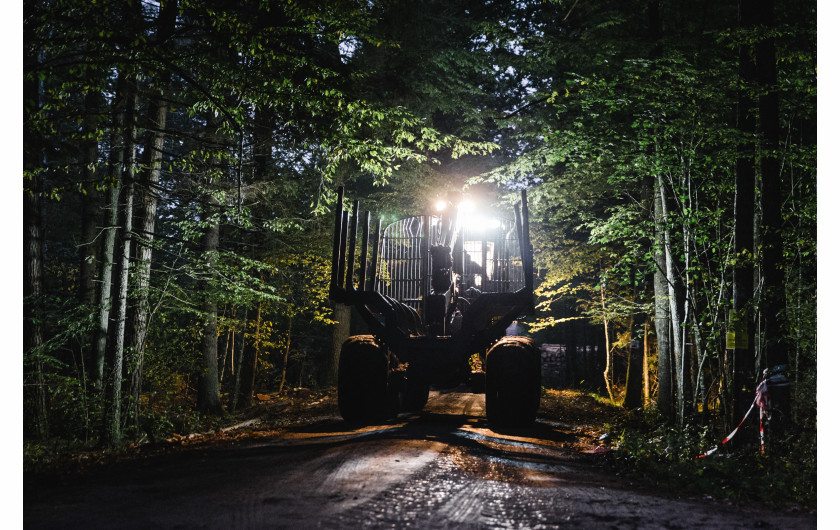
(669, 459)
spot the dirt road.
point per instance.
(441, 469)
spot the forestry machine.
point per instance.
(438, 293)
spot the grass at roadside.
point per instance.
(643, 448)
(268, 414)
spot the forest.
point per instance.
(181, 160)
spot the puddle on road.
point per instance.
(510, 470)
(512, 441)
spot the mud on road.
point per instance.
(442, 468)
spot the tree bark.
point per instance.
(663, 292)
(688, 404)
(286, 354)
(90, 200)
(773, 300)
(238, 379)
(113, 420)
(608, 350)
(742, 286)
(249, 360)
(209, 400)
(645, 371)
(633, 377)
(115, 163)
(226, 349)
(573, 375)
(676, 313)
(340, 332)
(33, 257)
(147, 210)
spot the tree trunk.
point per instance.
(111, 227)
(677, 342)
(209, 400)
(90, 200)
(645, 371)
(689, 404)
(633, 376)
(742, 286)
(147, 210)
(261, 152)
(773, 299)
(33, 258)
(228, 336)
(662, 295)
(90, 219)
(113, 420)
(572, 377)
(286, 354)
(238, 358)
(340, 333)
(147, 214)
(608, 350)
(249, 360)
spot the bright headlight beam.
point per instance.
(466, 206)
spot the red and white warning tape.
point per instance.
(762, 399)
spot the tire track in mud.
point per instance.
(442, 468)
(483, 479)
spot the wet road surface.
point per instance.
(442, 468)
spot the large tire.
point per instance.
(514, 383)
(363, 395)
(415, 396)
